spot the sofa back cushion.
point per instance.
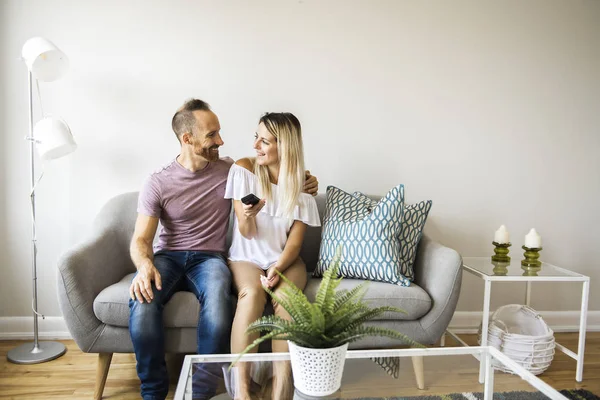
(312, 238)
(120, 212)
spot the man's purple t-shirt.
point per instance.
(190, 205)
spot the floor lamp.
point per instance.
(53, 139)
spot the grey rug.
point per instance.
(579, 394)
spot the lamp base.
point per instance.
(27, 354)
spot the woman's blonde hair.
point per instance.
(288, 133)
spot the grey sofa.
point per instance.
(94, 278)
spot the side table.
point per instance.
(483, 268)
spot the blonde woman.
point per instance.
(267, 236)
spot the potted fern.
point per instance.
(319, 333)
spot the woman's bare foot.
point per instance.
(241, 382)
(242, 393)
(283, 387)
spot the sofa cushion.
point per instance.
(111, 306)
(413, 299)
(368, 238)
(413, 221)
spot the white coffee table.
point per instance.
(483, 268)
(446, 370)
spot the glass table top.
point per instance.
(485, 266)
(377, 374)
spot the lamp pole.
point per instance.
(33, 232)
(36, 352)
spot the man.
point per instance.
(187, 197)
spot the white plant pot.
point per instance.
(317, 372)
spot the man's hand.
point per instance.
(311, 184)
(141, 286)
(250, 211)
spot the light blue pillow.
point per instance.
(368, 237)
(413, 221)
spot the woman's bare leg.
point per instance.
(250, 306)
(283, 389)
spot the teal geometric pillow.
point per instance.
(368, 237)
(413, 221)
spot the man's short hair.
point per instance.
(184, 120)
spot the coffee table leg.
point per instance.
(488, 388)
(484, 326)
(582, 327)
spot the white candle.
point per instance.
(533, 240)
(501, 235)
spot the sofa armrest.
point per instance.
(438, 270)
(83, 272)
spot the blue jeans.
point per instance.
(206, 275)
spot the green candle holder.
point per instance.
(531, 257)
(500, 268)
(531, 271)
(501, 250)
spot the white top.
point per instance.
(272, 229)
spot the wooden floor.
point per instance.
(72, 375)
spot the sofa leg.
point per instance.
(104, 360)
(419, 374)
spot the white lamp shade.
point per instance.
(53, 138)
(45, 61)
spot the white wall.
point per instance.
(491, 109)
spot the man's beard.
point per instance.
(210, 155)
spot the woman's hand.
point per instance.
(250, 211)
(272, 279)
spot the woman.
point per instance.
(268, 236)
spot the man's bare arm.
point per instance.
(311, 184)
(143, 259)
